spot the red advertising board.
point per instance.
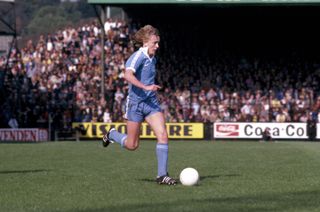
(26, 134)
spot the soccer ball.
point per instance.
(189, 177)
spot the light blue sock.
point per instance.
(162, 156)
(117, 137)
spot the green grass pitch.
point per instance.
(235, 176)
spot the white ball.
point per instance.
(189, 176)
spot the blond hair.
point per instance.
(143, 34)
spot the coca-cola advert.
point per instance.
(226, 130)
(255, 130)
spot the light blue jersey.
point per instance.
(141, 103)
(144, 69)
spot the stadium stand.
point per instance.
(57, 80)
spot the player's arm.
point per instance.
(129, 76)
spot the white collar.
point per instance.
(145, 51)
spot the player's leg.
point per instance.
(157, 123)
(134, 118)
(129, 141)
(132, 141)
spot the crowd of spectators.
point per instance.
(57, 80)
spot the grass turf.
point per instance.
(235, 176)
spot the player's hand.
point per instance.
(152, 87)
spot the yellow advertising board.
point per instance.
(175, 130)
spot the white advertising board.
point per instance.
(253, 130)
(318, 131)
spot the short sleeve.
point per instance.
(134, 61)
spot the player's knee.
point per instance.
(132, 146)
(163, 136)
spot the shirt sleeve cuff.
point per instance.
(132, 69)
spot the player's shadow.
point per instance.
(218, 176)
(147, 180)
(23, 171)
(202, 178)
(264, 202)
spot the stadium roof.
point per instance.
(202, 1)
